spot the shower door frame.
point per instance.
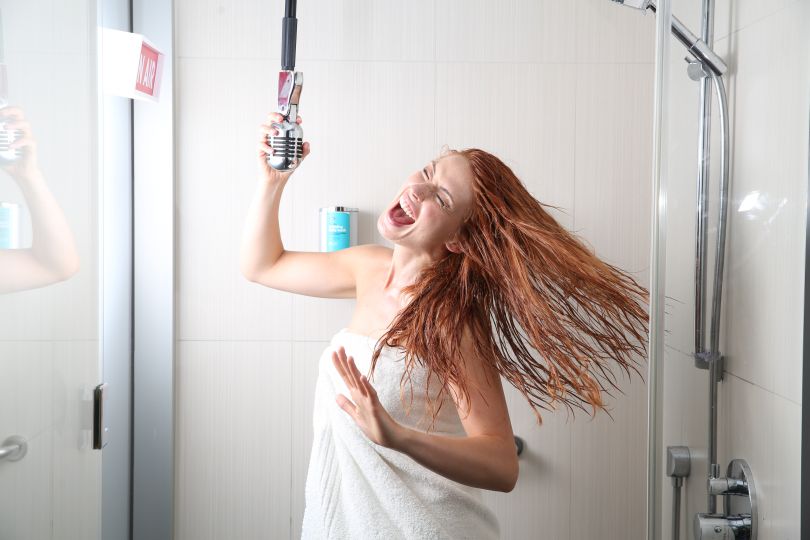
(154, 287)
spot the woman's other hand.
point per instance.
(267, 172)
(24, 167)
(364, 407)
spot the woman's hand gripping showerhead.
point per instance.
(365, 407)
(268, 173)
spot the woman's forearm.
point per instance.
(261, 238)
(480, 461)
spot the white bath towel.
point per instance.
(356, 489)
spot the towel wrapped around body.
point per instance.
(356, 489)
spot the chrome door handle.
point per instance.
(13, 448)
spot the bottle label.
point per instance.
(337, 230)
(9, 226)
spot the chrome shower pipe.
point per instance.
(716, 366)
(702, 212)
(695, 45)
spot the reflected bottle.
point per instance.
(7, 138)
(9, 225)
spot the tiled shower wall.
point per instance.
(561, 90)
(765, 45)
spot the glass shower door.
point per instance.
(738, 433)
(50, 361)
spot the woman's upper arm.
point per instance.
(327, 275)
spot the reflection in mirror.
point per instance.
(52, 256)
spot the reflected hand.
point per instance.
(364, 407)
(267, 172)
(13, 118)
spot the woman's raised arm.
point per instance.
(263, 258)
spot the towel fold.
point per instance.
(356, 489)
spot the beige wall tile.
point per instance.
(233, 440)
(613, 167)
(768, 201)
(508, 31)
(610, 33)
(305, 357)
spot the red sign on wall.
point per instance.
(147, 70)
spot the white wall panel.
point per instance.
(233, 440)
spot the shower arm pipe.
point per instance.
(289, 27)
(697, 47)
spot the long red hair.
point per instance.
(550, 316)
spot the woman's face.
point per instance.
(431, 206)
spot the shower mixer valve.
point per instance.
(739, 518)
(288, 143)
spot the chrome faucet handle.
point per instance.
(728, 486)
(720, 527)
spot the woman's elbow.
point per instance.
(510, 478)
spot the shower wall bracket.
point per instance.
(703, 360)
(739, 518)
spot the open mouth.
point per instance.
(399, 216)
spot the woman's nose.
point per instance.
(420, 191)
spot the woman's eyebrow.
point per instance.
(434, 163)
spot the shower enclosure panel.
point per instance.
(50, 330)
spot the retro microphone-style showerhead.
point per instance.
(288, 143)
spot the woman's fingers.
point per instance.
(339, 366)
(346, 404)
(15, 113)
(21, 142)
(278, 117)
(352, 371)
(348, 371)
(358, 378)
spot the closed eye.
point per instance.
(427, 179)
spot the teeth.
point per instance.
(407, 211)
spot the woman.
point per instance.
(480, 277)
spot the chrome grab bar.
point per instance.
(13, 448)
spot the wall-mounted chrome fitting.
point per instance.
(696, 70)
(679, 465)
(739, 520)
